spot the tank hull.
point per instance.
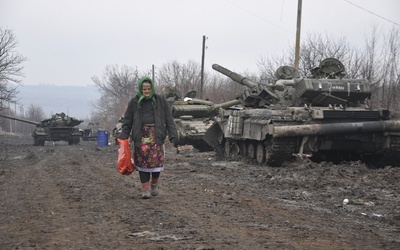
(71, 135)
(191, 132)
(273, 137)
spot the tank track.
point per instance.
(279, 150)
(391, 157)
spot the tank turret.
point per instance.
(326, 87)
(324, 117)
(57, 128)
(258, 95)
(60, 120)
(192, 116)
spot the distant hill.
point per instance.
(72, 100)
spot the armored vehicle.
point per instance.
(325, 117)
(59, 127)
(90, 132)
(192, 117)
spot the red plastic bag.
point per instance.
(125, 162)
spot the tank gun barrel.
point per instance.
(201, 110)
(20, 119)
(197, 101)
(225, 104)
(235, 76)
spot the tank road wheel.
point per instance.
(260, 153)
(268, 154)
(235, 151)
(76, 139)
(280, 150)
(251, 151)
(39, 141)
(227, 149)
(243, 148)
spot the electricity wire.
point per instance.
(265, 20)
(372, 13)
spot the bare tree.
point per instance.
(313, 50)
(184, 77)
(380, 64)
(369, 69)
(34, 113)
(388, 78)
(268, 65)
(116, 86)
(10, 66)
(220, 88)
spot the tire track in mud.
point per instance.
(31, 203)
(91, 189)
(61, 200)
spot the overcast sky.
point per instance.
(67, 42)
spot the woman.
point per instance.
(148, 120)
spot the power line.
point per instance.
(372, 13)
(265, 20)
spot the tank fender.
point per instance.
(39, 131)
(214, 135)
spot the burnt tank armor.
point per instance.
(324, 117)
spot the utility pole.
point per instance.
(152, 73)
(15, 114)
(9, 113)
(202, 68)
(297, 51)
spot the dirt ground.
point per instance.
(72, 197)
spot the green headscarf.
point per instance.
(140, 93)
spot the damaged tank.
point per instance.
(325, 117)
(59, 127)
(192, 117)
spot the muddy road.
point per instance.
(72, 197)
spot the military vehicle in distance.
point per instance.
(59, 127)
(192, 117)
(325, 117)
(90, 132)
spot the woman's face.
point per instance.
(146, 89)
